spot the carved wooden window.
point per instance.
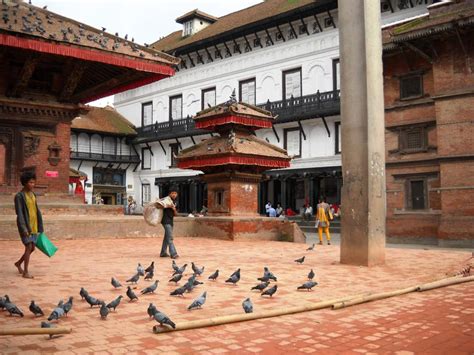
(146, 159)
(147, 113)
(174, 150)
(73, 143)
(96, 144)
(336, 74)
(292, 142)
(247, 91)
(109, 146)
(219, 198)
(416, 191)
(413, 139)
(411, 86)
(176, 107)
(208, 98)
(292, 84)
(146, 193)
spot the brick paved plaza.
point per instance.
(438, 321)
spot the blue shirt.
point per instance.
(272, 212)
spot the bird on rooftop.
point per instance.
(311, 275)
(104, 311)
(131, 295)
(261, 286)
(311, 247)
(198, 302)
(300, 260)
(150, 289)
(115, 283)
(35, 309)
(214, 276)
(247, 305)
(115, 303)
(270, 291)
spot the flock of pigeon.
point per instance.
(63, 308)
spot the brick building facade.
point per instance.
(429, 117)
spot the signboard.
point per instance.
(52, 173)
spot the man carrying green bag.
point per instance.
(30, 223)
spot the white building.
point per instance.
(281, 55)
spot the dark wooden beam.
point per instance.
(73, 78)
(318, 23)
(268, 34)
(390, 4)
(276, 134)
(259, 40)
(192, 61)
(461, 43)
(227, 49)
(161, 144)
(332, 19)
(192, 139)
(418, 51)
(24, 76)
(218, 52)
(199, 58)
(281, 33)
(104, 86)
(304, 26)
(248, 43)
(302, 130)
(326, 125)
(149, 148)
(292, 29)
(209, 54)
(236, 46)
(179, 143)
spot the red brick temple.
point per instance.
(233, 162)
(51, 66)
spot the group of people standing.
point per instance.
(323, 214)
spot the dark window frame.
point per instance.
(246, 81)
(148, 103)
(403, 140)
(143, 159)
(335, 62)
(174, 147)
(402, 91)
(203, 92)
(291, 71)
(217, 194)
(338, 137)
(409, 193)
(170, 108)
(143, 185)
(285, 139)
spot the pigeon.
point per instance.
(83, 293)
(270, 291)
(35, 309)
(151, 268)
(214, 276)
(149, 275)
(197, 271)
(265, 279)
(236, 273)
(47, 325)
(140, 270)
(198, 302)
(190, 283)
(151, 310)
(104, 311)
(115, 283)
(261, 286)
(150, 289)
(131, 294)
(247, 305)
(134, 278)
(57, 313)
(308, 285)
(180, 270)
(114, 304)
(92, 301)
(268, 274)
(300, 260)
(176, 278)
(4, 301)
(311, 275)
(163, 319)
(13, 309)
(67, 306)
(233, 279)
(179, 291)
(174, 266)
(311, 247)
(197, 283)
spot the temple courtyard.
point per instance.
(437, 321)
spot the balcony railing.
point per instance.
(305, 107)
(299, 108)
(105, 157)
(168, 130)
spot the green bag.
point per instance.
(45, 245)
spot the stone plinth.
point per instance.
(232, 194)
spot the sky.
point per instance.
(144, 20)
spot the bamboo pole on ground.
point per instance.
(445, 282)
(249, 316)
(34, 331)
